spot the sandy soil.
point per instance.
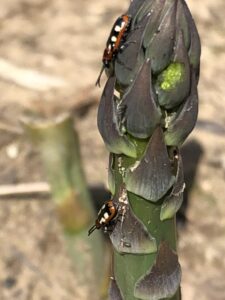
(63, 39)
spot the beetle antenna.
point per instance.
(92, 229)
(99, 77)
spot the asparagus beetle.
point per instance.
(106, 214)
(115, 42)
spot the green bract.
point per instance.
(171, 76)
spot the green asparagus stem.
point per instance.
(148, 108)
(58, 144)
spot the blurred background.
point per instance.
(50, 57)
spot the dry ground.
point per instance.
(63, 39)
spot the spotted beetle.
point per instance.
(106, 214)
(115, 42)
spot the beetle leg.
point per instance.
(136, 28)
(108, 230)
(123, 64)
(121, 216)
(126, 44)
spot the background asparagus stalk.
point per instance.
(58, 143)
(148, 108)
